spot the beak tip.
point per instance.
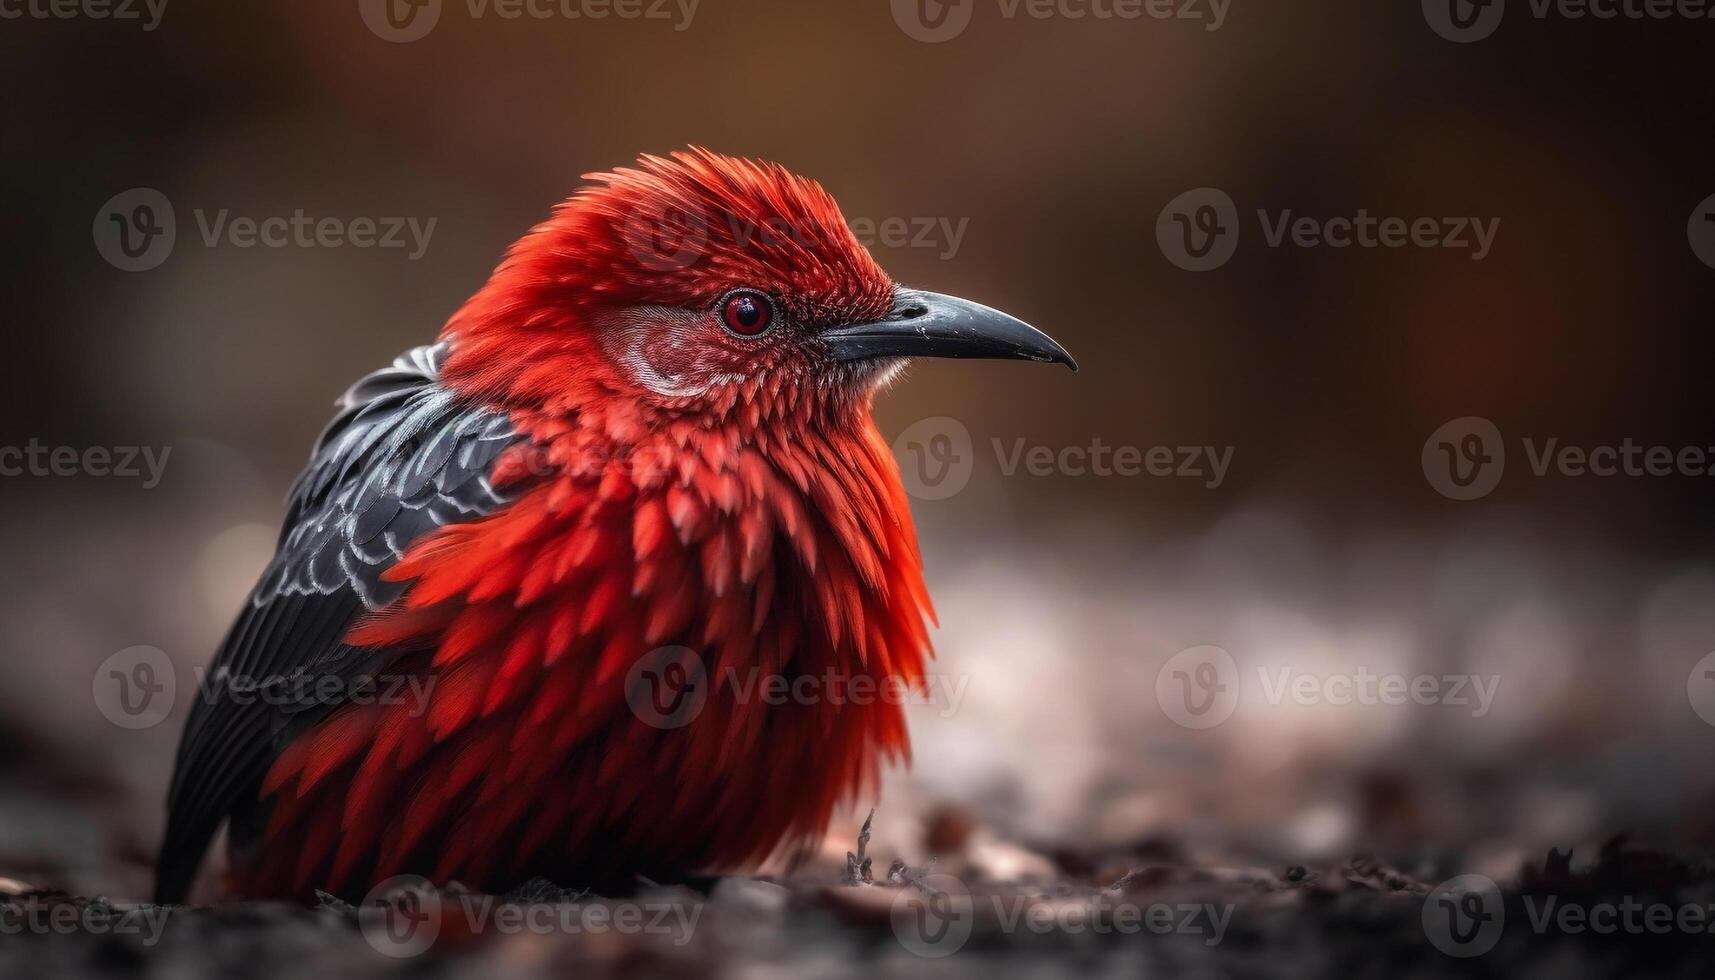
(1052, 353)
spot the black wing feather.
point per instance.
(403, 456)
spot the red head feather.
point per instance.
(673, 233)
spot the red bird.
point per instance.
(615, 447)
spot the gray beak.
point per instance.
(924, 324)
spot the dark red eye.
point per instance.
(747, 312)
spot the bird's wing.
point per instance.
(403, 456)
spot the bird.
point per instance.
(642, 450)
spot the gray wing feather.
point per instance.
(403, 456)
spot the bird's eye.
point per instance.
(747, 312)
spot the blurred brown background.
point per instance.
(1059, 141)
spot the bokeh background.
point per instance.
(1055, 143)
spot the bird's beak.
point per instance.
(924, 324)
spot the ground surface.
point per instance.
(1622, 913)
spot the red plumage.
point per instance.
(671, 483)
(662, 521)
